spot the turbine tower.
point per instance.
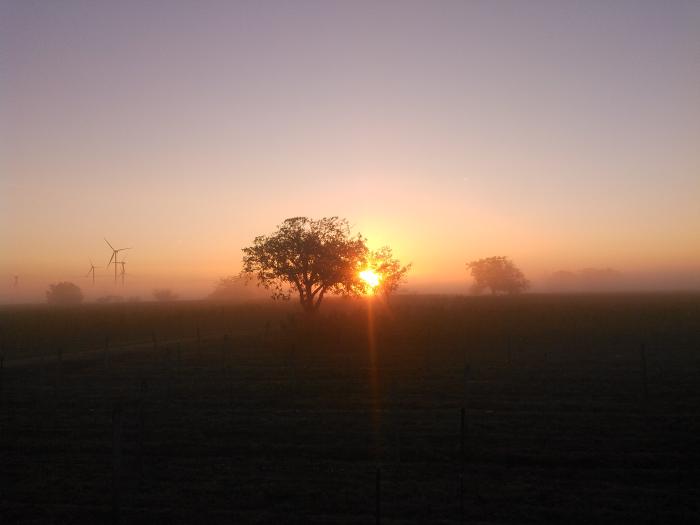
(115, 254)
(92, 271)
(123, 271)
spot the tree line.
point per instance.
(309, 259)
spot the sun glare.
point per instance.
(370, 278)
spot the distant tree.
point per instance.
(498, 274)
(108, 299)
(164, 295)
(309, 258)
(562, 280)
(232, 288)
(64, 293)
(600, 278)
(391, 273)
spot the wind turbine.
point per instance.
(123, 272)
(92, 271)
(115, 254)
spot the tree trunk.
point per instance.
(309, 302)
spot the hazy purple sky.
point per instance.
(564, 134)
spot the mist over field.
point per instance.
(33, 290)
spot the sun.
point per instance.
(370, 278)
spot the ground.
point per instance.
(426, 410)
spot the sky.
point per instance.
(562, 134)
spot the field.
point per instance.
(433, 410)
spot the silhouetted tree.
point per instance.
(498, 274)
(232, 288)
(164, 295)
(391, 273)
(308, 257)
(64, 293)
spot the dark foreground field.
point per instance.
(577, 409)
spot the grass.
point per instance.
(270, 419)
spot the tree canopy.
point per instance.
(64, 293)
(308, 257)
(232, 288)
(391, 273)
(498, 274)
(164, 295)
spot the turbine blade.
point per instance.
(109, 244)
(120, 249)
(110, 259)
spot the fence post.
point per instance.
(643, 362)
(509, 350)
(105, 354)
(116, 462)
(224, 350)
(461, 497)
(378, 495)
(179, 356)
(142, 426)
(168, 373)
(2, 372)
(462, 460)
(292, 365)
(59, 363)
